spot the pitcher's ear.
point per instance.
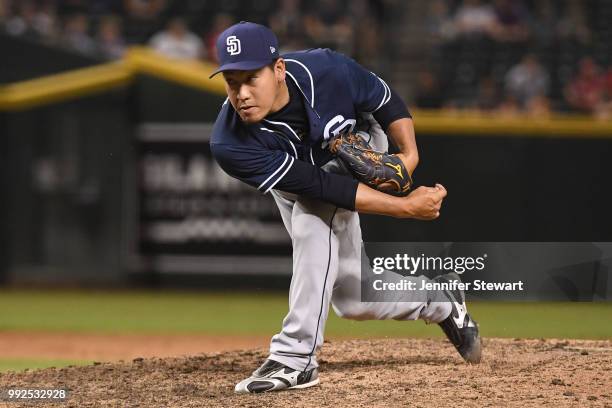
(279, 69)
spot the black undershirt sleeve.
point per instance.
(391, 111)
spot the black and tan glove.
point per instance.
(381, 171)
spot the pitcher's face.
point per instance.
(254, 93)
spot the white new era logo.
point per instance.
(233, 45)
(272, 50)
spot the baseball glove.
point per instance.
(381, 171)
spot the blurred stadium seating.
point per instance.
(453, 54)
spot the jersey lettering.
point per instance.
(336, 125)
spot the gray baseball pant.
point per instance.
(327, 262)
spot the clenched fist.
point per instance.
(424, 203)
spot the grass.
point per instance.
(21, 364)
(262, 313)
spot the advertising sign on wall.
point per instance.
(194, 218)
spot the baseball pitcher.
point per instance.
(311, 129)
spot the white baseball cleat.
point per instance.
(275, 376)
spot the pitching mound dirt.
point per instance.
(358, 373)
(110, 347)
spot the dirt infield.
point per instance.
(109, 347)
(357, 373)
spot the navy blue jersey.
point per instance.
(270, 154)
(293, 113)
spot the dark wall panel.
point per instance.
(510, 189)
(23, 59)
(64, 193)
(156, 100)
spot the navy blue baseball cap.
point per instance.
(246, 46)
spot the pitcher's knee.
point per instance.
(304, 229)
(303, 234)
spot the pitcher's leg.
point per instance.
(315, 267)
(431, 306)
(284, 202)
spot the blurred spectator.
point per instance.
(366, 34)
(142, 18)
(544, 23)
(176, 41)
(585, 92)
(76, 34)
(474, 17)
(220, 23)
(510, 21)
(608, 82)
(527, 80)
(573, 24)
(22, 23)
(4, 10)
(440, 25)
(428, 93)
(45, 21)
(538, 106)
(111, 44)
(144, 9)
(604, 109)
(508, 107)
(287, 24)
(488, 94)
(327, 25)
(33, 20)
